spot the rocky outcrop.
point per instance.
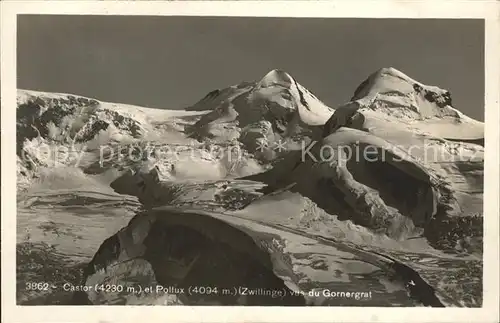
(68, 118)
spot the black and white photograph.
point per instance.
(249, 161)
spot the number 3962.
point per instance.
(37, 286)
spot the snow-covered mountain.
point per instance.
(399, 151)
(275, 190)
(259, 114)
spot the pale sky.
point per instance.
(172, 62)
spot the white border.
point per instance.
(488, 10)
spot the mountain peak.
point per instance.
(394, 94)
(392, 72)
(276, 77)
(389, 80)
(383, 80)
